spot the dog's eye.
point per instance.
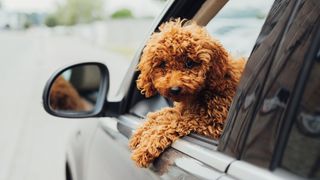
(162, 65)
(190, 64)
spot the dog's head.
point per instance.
(178, 60)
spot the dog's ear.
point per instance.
(144, 81)
(219, 59)
(209, 50)
(217, 77)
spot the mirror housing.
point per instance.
(96, 109)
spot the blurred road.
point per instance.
(32, 143)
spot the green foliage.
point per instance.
(51, 21)
(122, 13)
(27, 24)
(76, 11)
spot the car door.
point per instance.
(190, 158)
(195, 156)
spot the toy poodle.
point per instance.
(183, 63)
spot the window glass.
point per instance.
(238, 24)
(302, 154)
(291, 50)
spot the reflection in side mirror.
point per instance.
(77, 91)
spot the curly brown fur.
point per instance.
(63, 96)
(186, 58)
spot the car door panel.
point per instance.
(78, 147)
(109, 158)
(244, 170)
(185, 160)
(211, 157)
(194, 149)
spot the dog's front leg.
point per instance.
(170, 126)
(149, 123)
(212, 124)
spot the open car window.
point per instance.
(237, 26)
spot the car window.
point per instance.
(262, 98)
(223, 28)
(279, 85)
(249, 18)
(302, 153)
(237, 25)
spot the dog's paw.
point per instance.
(142, 158)
(146, 152)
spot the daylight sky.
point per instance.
(28, 5)
(139, 7)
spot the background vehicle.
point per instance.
(272, 131)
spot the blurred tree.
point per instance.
(27, 24)
(51, 21)
(77, 11)
(122, 13)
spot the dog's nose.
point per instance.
(175, 90)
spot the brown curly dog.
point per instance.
(183, 63)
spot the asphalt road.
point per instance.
(32, 142)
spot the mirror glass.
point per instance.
(76, 89)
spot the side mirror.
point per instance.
(77, 91)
